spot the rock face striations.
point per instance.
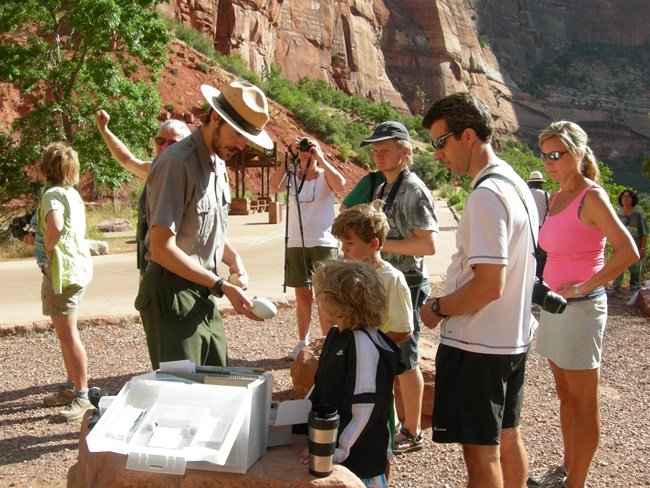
(532, 61)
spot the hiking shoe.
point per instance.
(553, 478)
(558, 484)
(63, 396)
(76, 409)
(293, 354)
(410, 442)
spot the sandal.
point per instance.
(410, 442)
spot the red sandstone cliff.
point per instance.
(409, 52)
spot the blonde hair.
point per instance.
(366, 220)
(60, 165)
(352, 291)
(407, 144)
(575, 140)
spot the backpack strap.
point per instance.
(521, 196)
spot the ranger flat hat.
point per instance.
(244, 107)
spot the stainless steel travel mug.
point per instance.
(323, 425)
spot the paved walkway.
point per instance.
(115, 282)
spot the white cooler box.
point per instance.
(215, 419)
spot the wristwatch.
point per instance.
(435, 308)
(216, 288)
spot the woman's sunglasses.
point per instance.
(553, 155)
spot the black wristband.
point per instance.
(216, 288)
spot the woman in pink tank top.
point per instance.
(580, 221)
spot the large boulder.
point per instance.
(278, 468)
(113, 224)
(97, 248)
(304, 367)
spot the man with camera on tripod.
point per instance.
(311, 182)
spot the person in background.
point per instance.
(637, 226)
(187, 212)
(363, 191)
(61, 221)
(412, 227)
(580, 221)
(536, 184)
(357, 366)
(169, 132)
(313, 189)
(487, 325)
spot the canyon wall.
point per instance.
(410, 52)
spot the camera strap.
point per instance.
(521, 196)
(304, 175)
(388, 203)
(292, 172)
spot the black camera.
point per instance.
(304, 145)
(547, 300)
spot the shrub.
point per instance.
(235, 64)
(202, 67)
(457, 197)
(191, 37)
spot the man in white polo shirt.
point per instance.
(487, 325)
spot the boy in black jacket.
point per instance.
(357, 366)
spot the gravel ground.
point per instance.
(36, 450)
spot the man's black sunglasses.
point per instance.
(439, 142)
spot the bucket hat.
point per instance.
(244, 107)
(535, 176)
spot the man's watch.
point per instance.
(435, 308)
(216, 288)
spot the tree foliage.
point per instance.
(68, 59)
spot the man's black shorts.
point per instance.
(476, 395)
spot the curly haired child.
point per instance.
(357, 366)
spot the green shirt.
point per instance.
(635, 224)
(364, 190)
(71, 262)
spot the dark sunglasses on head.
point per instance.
(553, 155)
(161, 141)
(439, 142)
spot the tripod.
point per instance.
(291, 176)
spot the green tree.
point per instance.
(431, 172)
(69, 59)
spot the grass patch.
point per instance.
(12, 248)
(98, 213)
